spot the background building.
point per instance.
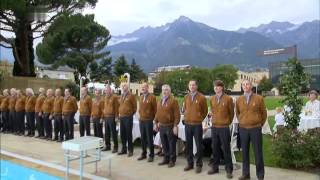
(311, 66)
(61, 72)
(152, 75)
(253, 77)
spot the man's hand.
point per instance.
(175, 130)
(156, 127)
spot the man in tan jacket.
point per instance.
(97, 113)
(167, 120)
(5, 110)
(85, 112)
(127, 108)
(252, 114)
(147, 112)
(222, 111)
(12, 111)
(20, 112)
(69, 109)
(195, 111)
(30, 114)
(110, 113)
(47, 110)
(57, 115)
(38, 112)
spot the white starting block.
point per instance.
(83, 145)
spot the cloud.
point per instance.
(124, 16)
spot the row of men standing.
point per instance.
(39, 113)
(162, 116)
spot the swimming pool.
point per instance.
(12, 171)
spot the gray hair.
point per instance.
(29, 90)
(13, 90)
(166, 86)
(6, 92)
(41, 90)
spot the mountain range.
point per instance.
(185, 41)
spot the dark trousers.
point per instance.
(5, 120)
(20, 124)
(110, 130)
(30, 122)
(126, 124)
(255, 136)
(221, 139)
(58, 127)
(68, 125)
(168, 141)
(84, 125)
(146, 130)
(47, 125)
(194, 131)
(12, 118)
(1, 121)
(97, 128)
(39, 124)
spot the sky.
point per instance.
(125, 16)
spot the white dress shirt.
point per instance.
(314, 107)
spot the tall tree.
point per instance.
(121, 66)
(265, 84)
(19, 17)
(136, 72)
(101, 71)
(74, 40)
(293, 82)
(226, 73)
(178, 79)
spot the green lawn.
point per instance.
(269, 158)
(272, 102)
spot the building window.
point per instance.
(62, 76)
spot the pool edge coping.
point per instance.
(51, 165)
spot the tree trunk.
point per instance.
(23, 50)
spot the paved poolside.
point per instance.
(124, 168)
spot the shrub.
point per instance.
(294, 149)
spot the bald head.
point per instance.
(29, 92)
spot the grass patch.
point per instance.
(273, 102)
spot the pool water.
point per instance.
(12, 171)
